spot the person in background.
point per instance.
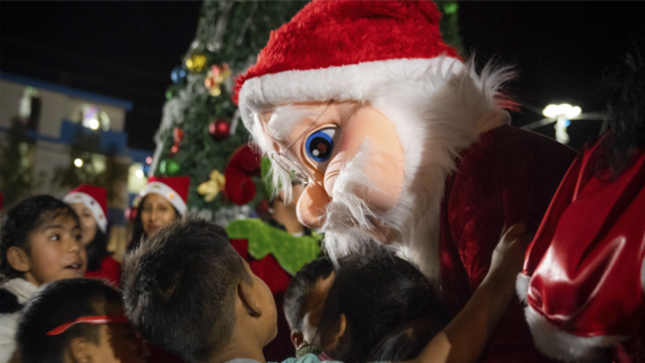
(163, 201)
(40, 243)
(77, 321)
(584, 275)
(304, 301)
(90, 204)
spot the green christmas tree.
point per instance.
(200, 128)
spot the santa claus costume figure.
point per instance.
(400, 142)
(584, 273)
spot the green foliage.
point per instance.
(449, 25)
(16, 164)
(246, 32)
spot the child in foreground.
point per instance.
(77, 321)
(188, 291)
(374, 295)
(40, 243)
(304, 301)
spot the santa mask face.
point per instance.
(349, 152)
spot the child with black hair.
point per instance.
(304, 301)
(374, 295)
(187, 290)
(40, 243)
(77, 321)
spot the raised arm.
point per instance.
(464, 339)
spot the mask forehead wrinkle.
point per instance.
(286, 118)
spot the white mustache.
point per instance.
(348, 217)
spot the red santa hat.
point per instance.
(241, 167)
(95, 199)
(340, 50)
(173, 189)
(584, 272)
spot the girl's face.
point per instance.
(88, 222)
(156, 213)
(55, 251)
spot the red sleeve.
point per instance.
(110, 271)
(509, 176)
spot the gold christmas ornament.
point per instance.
(196, 63)
(215, 77)
(209, 189)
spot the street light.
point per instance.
(562, 114)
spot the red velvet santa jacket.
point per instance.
(508, 176)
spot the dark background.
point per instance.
(127, 50)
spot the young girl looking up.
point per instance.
(40, 242)
(90, 204)
(163, 201)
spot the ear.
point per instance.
(342, 325)
(246, 294)
(18, 259)
(298, 339)
(78, 349)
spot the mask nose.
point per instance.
(312, 205)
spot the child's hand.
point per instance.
(508, 258)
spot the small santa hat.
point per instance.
(340, 50)
(173, 189)
(241, 167)
(95, 198)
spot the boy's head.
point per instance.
(305, 298)
(41, 241)
(371, 297)
(45, 334)
(188, 291)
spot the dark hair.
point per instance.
(179, 288)
(297, 293)
(137, 230)
(57, 303)
(96, 251)
(406, 341)
(624, 89)
(378, 294)
(23, 219)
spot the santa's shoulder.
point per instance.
(507, 148)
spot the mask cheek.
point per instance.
(311, 206)
(387, 179)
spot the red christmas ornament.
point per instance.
(174, 149)
(219, 130)
(177, 135)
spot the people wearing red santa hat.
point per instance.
(90, 204)
(163, 200)
(401, 142)
(584, 273)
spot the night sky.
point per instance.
(127, 50)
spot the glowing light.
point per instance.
(78, 162)
(148, 159)
(94, 124)
(139, 173)
(565, 110)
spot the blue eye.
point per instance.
(320, 144)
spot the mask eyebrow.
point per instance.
(285, 118)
